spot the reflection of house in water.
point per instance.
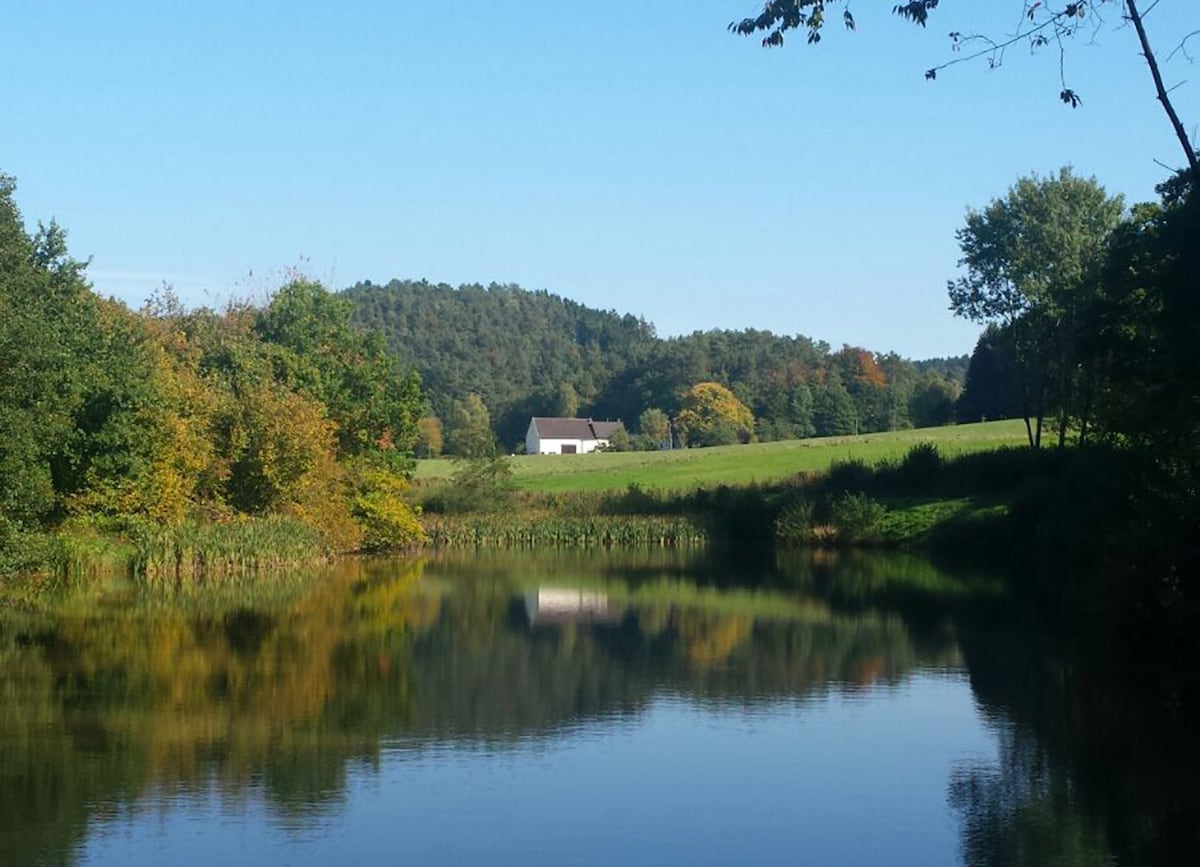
(549, 606)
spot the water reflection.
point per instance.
(547, 606)
(294, 694)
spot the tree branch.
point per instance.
(1168, 107)
(993, 47)
(1182, 46)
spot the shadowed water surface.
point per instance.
(579, 709)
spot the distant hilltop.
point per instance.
(533, 353)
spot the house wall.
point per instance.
(534, 446)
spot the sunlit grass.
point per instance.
(734, 465)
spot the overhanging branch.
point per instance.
(1163, 97)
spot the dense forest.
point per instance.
(526, 353)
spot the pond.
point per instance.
(575, 709)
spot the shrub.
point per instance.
(857, 517)
(619, 441)
(387, 521)
(634, 500)
(482, 484)
(921, 465)
(851, 475)
(795, 522)
(644, 443)
(23, 552)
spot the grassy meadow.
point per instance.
(733, 465)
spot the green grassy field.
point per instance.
(733, 465)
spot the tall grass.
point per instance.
(90, 548)
(194, 549)
(520, 531)
(82, 551)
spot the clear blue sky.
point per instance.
(626, 154)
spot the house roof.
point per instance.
(574, 428)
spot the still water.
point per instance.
(577, 709)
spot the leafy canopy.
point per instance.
(712, 415)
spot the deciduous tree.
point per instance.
(712, 415)
(1032, 263)
(430, 439)
(654, 424)
(471, 433)
(932, 401)
(374, 404)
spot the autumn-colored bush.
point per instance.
(386, 520)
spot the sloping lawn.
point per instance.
(736, 465)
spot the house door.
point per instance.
(568, 450)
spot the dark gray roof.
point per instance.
(605, 429)
(574, 428)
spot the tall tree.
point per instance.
(430, 438)
(833, 413)
(470, 434)
(374, 404)
(566, 401)
(1142, 337)
(932, 401)
(990, 390)
(1032, 266)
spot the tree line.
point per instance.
(505, 354)
(311, 405)
(165, 415)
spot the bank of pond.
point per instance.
(1082, 528)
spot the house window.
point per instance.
(568, 449)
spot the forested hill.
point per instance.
(528, 353)
(523, 353)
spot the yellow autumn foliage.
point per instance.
(712, 415)
(386, 520)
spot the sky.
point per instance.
(628, 155)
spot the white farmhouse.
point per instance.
(567, 436)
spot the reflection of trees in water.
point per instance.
(1098, 759)
(111, 697)
(1023, 810)
(695, 637)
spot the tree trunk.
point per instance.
(1025, 404)
(1026, 413)
(1041, 409)
(1085, 410)
(1064, 390)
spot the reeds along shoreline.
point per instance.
(522, 530)
(194, 549)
